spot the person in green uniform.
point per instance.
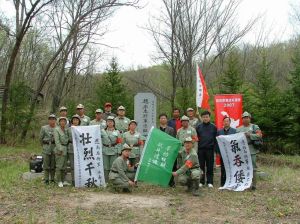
(63, 112)
(111, 141)
(134, 139)
(121, 121)
(194, 121)
(189, 173)
(85, 120)
(121, 175)
(253, 135)
(61, 137)
(48, 144)
(98, 119)
(75, 121)
(186, 131)
(107, 111)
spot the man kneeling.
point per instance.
(122, 176)
(189, 173)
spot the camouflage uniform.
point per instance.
(48, 144)
(61, 138)
(252, 129)
(111, 147)
(120, 173)
(189, 172)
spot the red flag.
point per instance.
(202, 96)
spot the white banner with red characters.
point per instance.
(228, 105)
(237, 161)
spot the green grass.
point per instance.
(275, 201)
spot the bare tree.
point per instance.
(83, 19)
(25, 13)
(190, 31)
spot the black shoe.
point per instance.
(46, 182)
(126, 190)
(52, 181)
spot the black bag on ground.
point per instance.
(36, 164)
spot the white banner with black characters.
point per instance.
(88, 160)
(237, 161)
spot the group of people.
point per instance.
(122, 146)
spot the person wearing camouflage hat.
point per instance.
(189, 173)
(48, 145)
(98, 119)
(253, 135)
(85, 120)
(63, 112)
(122, 176)
(194, 121)
(111, 141)
(134, 139)
(121, 120)
(61, 137)
(186, 131)
(75, 121)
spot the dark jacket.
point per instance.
(169, 131)
(172, 124)
(207, 133)
(230, 131)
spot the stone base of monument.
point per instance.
(32, 176)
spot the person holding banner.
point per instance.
(189, 173)
(193, 120)
(206, 132)
(111, 140)
(98, 119)
(48, 144)
(134, 139)
(226, 130)
(61, 137)
(121, 175)
(254, 138)
(75, 121)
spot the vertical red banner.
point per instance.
(228, 105)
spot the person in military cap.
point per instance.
(63, 112)
(121, 121)
(61, 137)
(85, 120)
(134, 139)
(48, 144)
(186, 131)
(98, 119)
(75, 121)
(189, 173)
(194, 121)
(111, 141)
(122, 176)
(107, 111)
(254, 137)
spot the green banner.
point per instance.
(159, 155)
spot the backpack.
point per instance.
(259, 142)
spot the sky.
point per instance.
(134, 47)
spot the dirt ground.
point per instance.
(275, 201)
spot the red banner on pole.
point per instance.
(228, 105)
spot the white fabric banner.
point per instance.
(88, 160)
(237, 161)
